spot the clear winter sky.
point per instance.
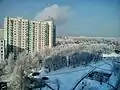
(73, 17)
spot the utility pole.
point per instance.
(20, 78)
(40, 88)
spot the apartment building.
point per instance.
(1, 45)
(22, 34)
(15, 34)
(41, 34)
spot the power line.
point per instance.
(99, 68)
(83, 78)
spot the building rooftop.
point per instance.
(111, 55)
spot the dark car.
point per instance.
(35, 74)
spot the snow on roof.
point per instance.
(111, 55)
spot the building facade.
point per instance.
(1, 44)
(22, 34)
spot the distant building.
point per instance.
(1, 45)
(22, 34)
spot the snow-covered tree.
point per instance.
(70, 52)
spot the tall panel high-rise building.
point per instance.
(22, 34)
(1, 45)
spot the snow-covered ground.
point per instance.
(68, 77)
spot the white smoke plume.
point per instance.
(60, 14)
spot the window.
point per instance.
(1, 41)
(1, 56)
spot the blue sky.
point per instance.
(86, 17)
